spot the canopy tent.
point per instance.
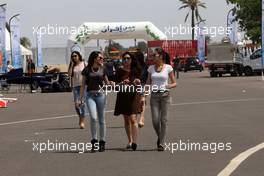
(24, 51)
(117, 30)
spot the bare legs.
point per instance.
(131, 128)
(141, 121)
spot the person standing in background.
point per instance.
(31, 68)
(9, 66)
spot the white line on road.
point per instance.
(218, 101)
(36, 120)
(178, 104)
(234, 163)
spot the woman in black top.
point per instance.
(94, 79)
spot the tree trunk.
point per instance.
(193, 24)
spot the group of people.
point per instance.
(87, 82)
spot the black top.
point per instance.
(94, 78)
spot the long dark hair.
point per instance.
(164, 55)
(79, 55)
(140, 59)
(74, 63)
(92, 57)
(134, 66)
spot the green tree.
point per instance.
(248, 15)
(113, 45)
(142, 46)
(193, 6)
(25, 42)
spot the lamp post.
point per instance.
(262, 38)
(9, 23)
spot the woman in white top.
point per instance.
(75, 72)
(159, 75)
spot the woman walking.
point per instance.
(159, 75)
(95, 78)
(75, 73)
(128, 100)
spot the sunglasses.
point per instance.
(74, 56)
(100, 57)
(125, 59)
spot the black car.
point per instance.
(192, 63)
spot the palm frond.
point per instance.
(187, 16)
(183, 7)
(202, 5)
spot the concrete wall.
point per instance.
(60, 56)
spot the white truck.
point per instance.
(253, 63)
(223, 59)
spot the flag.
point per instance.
(201, 43)
(15, 42)
(262, 33)
(39, 49)
(3, 58)
(233, 28)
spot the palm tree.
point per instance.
(25, 42)
(193, 6)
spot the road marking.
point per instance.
(234, 163)
(39, 133)
(42, 119)
(218, 101)
(109, 111)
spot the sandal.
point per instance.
(141, 124)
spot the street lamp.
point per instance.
(9, 23)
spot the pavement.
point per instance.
(225, 112)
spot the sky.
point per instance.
(73, 13)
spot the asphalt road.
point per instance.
(203, 110)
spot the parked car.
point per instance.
(192, 63)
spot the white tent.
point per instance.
(117, 30)
(24, 51)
